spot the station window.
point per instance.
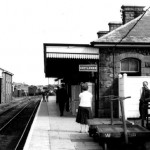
(131, 66)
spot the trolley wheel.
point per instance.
(105, 147)
(147, 145)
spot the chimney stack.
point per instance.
(101, 33)
(131, 12)
(114, 25)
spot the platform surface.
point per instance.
(49, 131)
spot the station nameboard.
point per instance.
(88, 68)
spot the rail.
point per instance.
(17, 145)
(18, 125)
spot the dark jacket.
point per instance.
(62, 95)
(145, 94)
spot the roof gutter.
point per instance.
(6, 72)
(119, 45)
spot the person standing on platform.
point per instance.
(57, 91)
(85, 107)
(47, 95)
(145, 94)
(43, 95)
(62, 98)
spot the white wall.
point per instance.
(130, 86)
(91, 88)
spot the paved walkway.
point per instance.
(52, 132)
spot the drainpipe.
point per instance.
(97, 89)
(113, 70)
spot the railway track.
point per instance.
(15, 125)
(6, 107)
(11, 110)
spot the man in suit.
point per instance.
(62, 98)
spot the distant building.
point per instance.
(20, 89)
(40, 87)
(32, 90)
(5, 86)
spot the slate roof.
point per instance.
(139, 34)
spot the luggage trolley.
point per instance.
(93, 123)
(122, 133)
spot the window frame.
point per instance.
(128, 59)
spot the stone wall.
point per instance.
(109, 69)
(107, 84)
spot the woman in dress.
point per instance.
(85, 107)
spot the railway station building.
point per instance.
(121, 58)
(6, 88)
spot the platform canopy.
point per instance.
(63, 60)
(71, 52)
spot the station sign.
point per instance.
(88, 68)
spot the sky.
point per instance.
(26, 24)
